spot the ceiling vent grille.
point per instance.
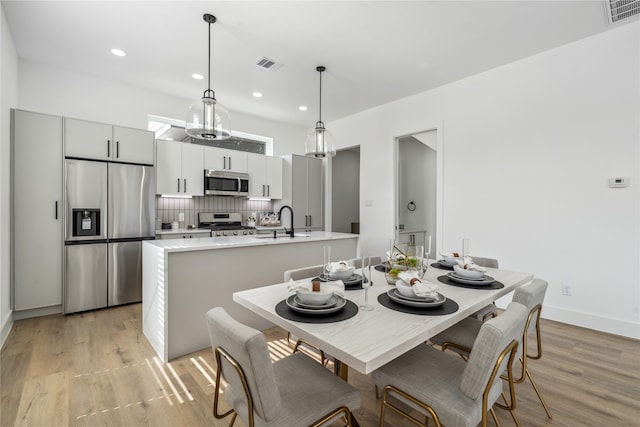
(621, 9)
(269, 64)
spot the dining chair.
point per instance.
(357, 262)
(293, 391)
(448, 390)
(491, 310)
(298, 274)
(461, 336)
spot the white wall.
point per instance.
(8, 99)
(528, 151)
(345, 190)
(62, 92)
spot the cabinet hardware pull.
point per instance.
(309, 220)
(229, 162)
(224, 162)
(178, 185)
(263, 193)
(268, 190)
(185, 185)
(108, 148)
(56, 209)
(117, 149)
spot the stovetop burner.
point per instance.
(224, 224)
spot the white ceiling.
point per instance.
(375, 51)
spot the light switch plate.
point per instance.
(618, 182)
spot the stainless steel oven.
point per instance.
(223, 183)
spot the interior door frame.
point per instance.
(438, 128)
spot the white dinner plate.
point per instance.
(392, 293)
(416, 298)
(332, 302)
(315, 311)
(354, 279)
(486, 280)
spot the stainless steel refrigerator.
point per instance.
(109, 211)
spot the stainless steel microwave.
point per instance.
(223, 183)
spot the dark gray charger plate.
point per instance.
(348, 285)
(441, 267)
(446, 280)
(350, 309)
(380, 267)
(449, 306)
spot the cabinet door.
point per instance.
(192, 170)
(132, 145)
(256, 167)
(37, 210)
(168, 167)
(299, 190)
(314, 192)
(87, 140)
(215, 159)
(273, 177)
(237, 161)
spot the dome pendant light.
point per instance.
(207, 118)
(319, 141)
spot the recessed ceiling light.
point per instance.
(197, 76)
(302, 108)
(118, 52)
(257, 94)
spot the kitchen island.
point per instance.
(183, 278)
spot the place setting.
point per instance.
(313, 301)
(344, 271)
(414, 295)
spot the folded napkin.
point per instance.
(337, 286)
(340, 265)
(449, 254)
(471, 266)
(420, 288)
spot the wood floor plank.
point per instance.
(97, 368)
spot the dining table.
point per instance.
(368, 340)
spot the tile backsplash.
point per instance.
(168, 208)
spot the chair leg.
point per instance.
(233, 419)
(535, 387)
(511, 408)
(495, 418)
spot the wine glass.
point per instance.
(367, 281)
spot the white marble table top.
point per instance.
(371, 339)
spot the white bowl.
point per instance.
(449, 261)
(405, 289)
(342, 273)
(314, 298)
(468, 274)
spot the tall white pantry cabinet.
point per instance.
(37, 210)
(302, 189)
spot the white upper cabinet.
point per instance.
(221, 159)
(265, 176)
(179, 168)
(99, 141)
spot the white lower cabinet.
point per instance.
(37, 210)
(303, 191)
(265, 176)
(179, 168)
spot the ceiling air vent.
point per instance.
(621, 9)
(269, 64)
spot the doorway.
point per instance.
(345, 191)
(419, 189)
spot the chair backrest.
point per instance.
(357, 262)
(248, 348)
(303, 273)
(494, 336)
(485, 262)
(531, 296)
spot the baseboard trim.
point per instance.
(592, 321)
(37, 312)
(6, 329)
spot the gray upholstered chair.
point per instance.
(448, 390)
(293, 391)
(303, 273)
(461, 336)
(488, 311)
(357, 262)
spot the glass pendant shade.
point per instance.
(208, 119)
(320, 142)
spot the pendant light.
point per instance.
(319, 141)
(207, 118)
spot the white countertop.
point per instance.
(206, 243)
(184, 230)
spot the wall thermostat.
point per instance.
(618, 182)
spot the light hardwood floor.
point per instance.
(97, 368)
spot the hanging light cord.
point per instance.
(320, 113)
(209, 70)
